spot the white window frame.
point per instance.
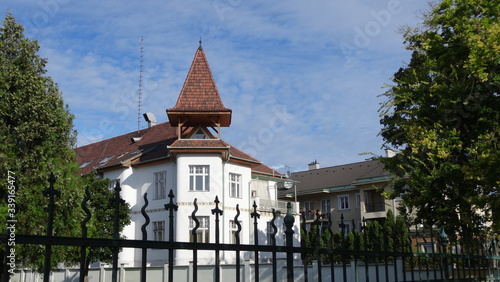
(159, 230)
(235, 185)
(199, 178)
(343, 201)
(203, 232)
(160, 187)
(326, 206)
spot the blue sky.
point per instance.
(302, 77)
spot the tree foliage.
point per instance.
(36, 139)
(442, 115)
(392, 235)
(101, 206)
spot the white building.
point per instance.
(188, 156)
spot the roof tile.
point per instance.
(199, 93)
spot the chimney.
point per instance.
(314, 165)
(150, 118)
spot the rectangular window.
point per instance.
(325, 206)
(343, 202)
(308, 206)
(233, 228)
(234, 185)
(199, 178)
(358, 201)
(159, 230)
(160, 185)
(269, 233)
(202, 233)
(309, 211)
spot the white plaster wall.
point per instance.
(136, 181)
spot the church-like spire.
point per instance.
(199, 103)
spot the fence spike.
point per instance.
(171, 206)
(88, 215)
(238, 224)
(275, 229)
(289, 221)
(237, 238)
(50, 192)
(217, 211)
(83, 224)
(255, 215)
(146, 217)
(116, 233)
(196, 221)
(144, 237)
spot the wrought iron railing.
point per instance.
(325, 256)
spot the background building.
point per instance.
(352, 190)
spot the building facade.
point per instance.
(352, 191)
(187, 156)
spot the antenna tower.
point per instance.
(140, 86)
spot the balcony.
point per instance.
(265, 204)
(375, 207)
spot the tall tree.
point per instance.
(36, 139)
(101, 206)
(442, 114)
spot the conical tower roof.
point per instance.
(199, 103)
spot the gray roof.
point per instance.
(339, 177)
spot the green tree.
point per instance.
(36, 139)
(442, 115)
(101, 206)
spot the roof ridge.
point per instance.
(337, 166)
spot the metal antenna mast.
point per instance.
(140, 87)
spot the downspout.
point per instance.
(223, 206)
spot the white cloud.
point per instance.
(306, 57)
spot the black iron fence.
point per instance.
(372, 254)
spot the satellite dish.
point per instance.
(288, 184)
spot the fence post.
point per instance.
(273, 243)
(116, 233)
(144, 238)
(218, 213)
(289, 220)
(50, 192)
(443, 240)
(83, 223)
(237, 238)
(171, 207)
(255, 215)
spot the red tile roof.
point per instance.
(199, 94)
(121, 150)
(154, 145)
